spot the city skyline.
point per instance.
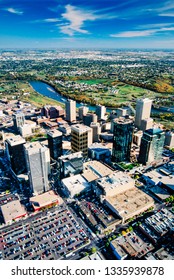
(80, 24)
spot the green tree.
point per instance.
(93, 250)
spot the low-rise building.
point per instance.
(93, 257)
(65, 129)
(114, 183)
(13, 211)
(163, 254)
(45, 200)
(71, 164)
(100, 151)
(74, 185)
(130, 245)
(129, 203)
(161, 176)
(94, 170)
(27, 129)
(118, 251)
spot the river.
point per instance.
(49, 91)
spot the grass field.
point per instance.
(40, 100)
(92, 81)
(126, 93)
(18, 88)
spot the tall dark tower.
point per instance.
(122, 140)
(151, 147)
(55, 143)
(15, 153)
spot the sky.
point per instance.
(87, 24)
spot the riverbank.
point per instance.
(48, 95)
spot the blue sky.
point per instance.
(86, 24)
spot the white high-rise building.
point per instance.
(143, 109)
(18, 120)
(70, 110)
(169, 139)
(38, 166)
(96, 130)
(100, 112)
(83, 111)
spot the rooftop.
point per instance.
(80, 128)
(94, 170)
(75, 183)
(130, 203)
(54, 133)
(34, 147)
(45, 199)
(153, 131)
(131, 244)
(159, 175)
(12, 210)
(162, 254)
(71, 156)
(115, 182)
(15, 140)
(101, 146)
(95, 256)
(122, 120)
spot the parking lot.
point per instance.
(47, 235)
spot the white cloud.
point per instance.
(167, 15)
(130, 34)
(14, 11)
(168, 5)
(76, 18)
(167, 29)
(154, 25)
(141, 33)
(51, 20)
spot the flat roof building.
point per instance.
(143, 110)
(93, 170)
(151, 147)
(157, 176)
(96, 256)
(122, 139)
(169, 139)
(83, 111)
(38, 166)
(81, 138)
(15, 153)
(71, 164)
(100, 151)
(74, 185)
(44, 200)
(18, 120)
(146, 124)
(96, 130)
(55, 143)
(100, 112)
(129, 203)
(115, 183)
(118, 251)
(70, 110)
(13, 211)
(130, 245)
